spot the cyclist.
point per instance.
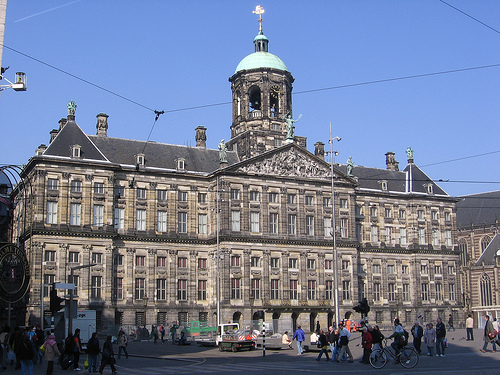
(400, 339)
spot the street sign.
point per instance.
(64, 286)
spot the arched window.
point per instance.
(485, 286)
(254, 99)
(462, 248)
(485, 241)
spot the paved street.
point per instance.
(462, 357)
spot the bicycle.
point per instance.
(407, 357)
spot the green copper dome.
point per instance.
(261, 58)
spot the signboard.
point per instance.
(14, 273)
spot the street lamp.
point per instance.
(70, 307)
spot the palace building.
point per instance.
(178, 233)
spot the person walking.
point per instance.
(122, 344)
(323, 344)
(40, 340)
(108, 356)
(24, 353)
(77, 350)
(450, 323)
(489, 335)
(93, 351)
(366, 343)
(300, 336)
(440, 336)
(344, 342)
(51, 351)
(162, 333)
(469, 327)
(417, 332)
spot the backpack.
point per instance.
(403, 341)
(69, 345)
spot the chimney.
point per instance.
(102, 124)
(41, 149)
(62, 122)
(319, 150)
(53, 134)
(390, 161)
(201, 136)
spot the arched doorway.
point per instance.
(237, 317)
(294, 321)
(312, 321)
(276, 320)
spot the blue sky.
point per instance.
(172, 55)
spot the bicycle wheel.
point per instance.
(378, 358)
(408, 358)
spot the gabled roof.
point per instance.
(478, 209)
(491, 251)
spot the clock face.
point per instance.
(14, 273)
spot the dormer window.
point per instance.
(76, 151)
(383, 185)
(140, 159)
(181, 164)
(430, 189)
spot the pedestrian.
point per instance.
(440, 337)
(51, 350)
(16, 340)
(469, 326)
(108, 356)
(344, 342)
(318, 327)
(334, 343)
(417, 332)
(93, 351)
(366, 344)
(450, 323)
(155, 334)
(4, 345)
(77, 350)
(173, 331)
(122, 344)
(162, 333)
(495, 325)
(286, 340)
(33, 341)
(300, 336)
(323, 344)
(430, 338)
(24, 353)
(40, 340)
(489, 335)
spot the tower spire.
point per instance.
(260, 11)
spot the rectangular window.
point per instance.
(235, 288)
(435, 237)
(434, 215)
(273, 197)
(423, 269)
(235, 221)
(402, 214)
(161, 225)
(161, 262)
(255, 262)
(73, 257)
(345, 264)
(311, 264)
(376, 292)
(405, 270)
(51, 213)
(421, 236)
(254, 222)
(47, 281)
(387, 213)
(388, 235)
(76, 186)
(140, 288)
(141, 193)
(275, 291)
(140, 260)
(161, 195)
(202, 263)
(447, 237)
(52, 184)
(294, 294)
(390, 268)
(420, 215)
(328, 289)
(182, 223)
(98, 188)
(202, 290)
(182, 262)
(309, 200)
(447, 216)
(343, 203)
(344, 229)
(182, 290)
(291, 198)
(451, 291)
(374, 234)
(235, 261)
(293, 263)
(310, 225)
(451, 269)
(327, 224)
(439, 292)
(438, 270)
(202, 224)
(119, 218)
(275, 262)
(202, 197)
(96, 258)
(254, 195)
(402, 237)
(161, 289)
(327, 202)
(50, 256)
(255, 289)
(76, 281)
(182, 196)
(328, 264)
(235, 194)
(273, 223)
(425, 291)
(373, 211)
(75, 214)
(406, 292)
(391, 292)
(119, 260)
(346, 289)
(96, 287)
(311, 289)
(119, 191)
(376, 268)
(140, 220)
(98, 219)
(119, 288)
(292, 224)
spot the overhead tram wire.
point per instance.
(468, 15)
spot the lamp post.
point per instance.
(218, 254)
(334, 232)
(70, 307)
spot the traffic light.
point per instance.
(55, 301)
(362, 308)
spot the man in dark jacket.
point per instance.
(440, 336)
(24, 352)
(418, 332)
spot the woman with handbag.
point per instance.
(489, 335)
(108, 356)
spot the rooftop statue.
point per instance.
(350, 166)
(222, 152)
(71, 108)
(409, 152)
(290, 128)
